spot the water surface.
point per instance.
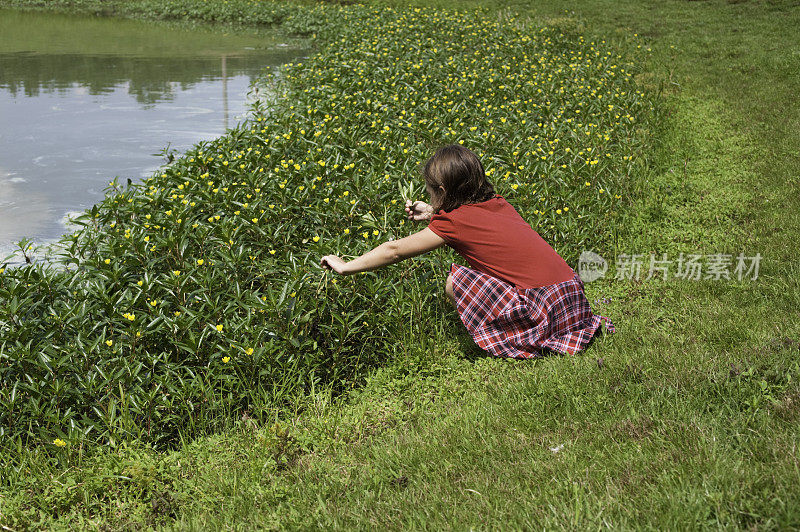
(84, 99)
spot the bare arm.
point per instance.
(387, 253)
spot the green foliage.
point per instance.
(289, 15)
(195, 296)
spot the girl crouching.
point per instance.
(518, 298)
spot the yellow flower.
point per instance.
(347, 231)
(219, 328)
(107, 261)
(375, 232)
(58, 442)
(147, 216)
(147, 239)
(140, 283)
(272, 252)
(176, 272)
(316, 239)
(109, 343)
(226, 359)
(255, 220)
(153, 303)
(177, 313)
(293, 294)
(249, 350)
(200, 262)
(558, 211)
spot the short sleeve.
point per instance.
(442, 224)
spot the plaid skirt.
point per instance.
(524, 322)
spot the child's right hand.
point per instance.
(418, 210)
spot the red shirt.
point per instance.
(494, 239)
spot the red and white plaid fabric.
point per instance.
(524, 322)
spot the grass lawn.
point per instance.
(686, 418)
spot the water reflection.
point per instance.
(150, 80)
(71, 118)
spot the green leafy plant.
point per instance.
(195, 295)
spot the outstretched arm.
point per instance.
(387, 253)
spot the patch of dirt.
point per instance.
(635, 429)
(788, 408)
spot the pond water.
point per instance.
(84, 100)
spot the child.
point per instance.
(520, 298)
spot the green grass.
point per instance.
(687, 418)
(196, 296)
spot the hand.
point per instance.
(418, 210)
(332, 262)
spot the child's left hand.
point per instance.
(332, 262)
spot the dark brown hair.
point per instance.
(461, 173)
